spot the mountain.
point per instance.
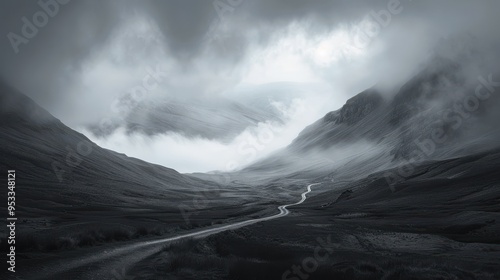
(31, 136)
(355, 119)
(215, 118)
(437, 114)
(71, 192)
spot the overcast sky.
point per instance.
(77, 58)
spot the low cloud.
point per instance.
(196, 154)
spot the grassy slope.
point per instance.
(101, 196)
(441, 223)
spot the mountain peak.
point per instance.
(359, 107)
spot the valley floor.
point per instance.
(440, 223)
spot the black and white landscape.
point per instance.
(239, 139)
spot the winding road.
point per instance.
(111, 263)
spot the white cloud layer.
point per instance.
(203, 155)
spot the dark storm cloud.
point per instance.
(80, 28)
(184, 23)
(56, 49)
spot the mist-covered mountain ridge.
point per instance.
(381, 128)
(32, 135)
(77, 194)
(216, 118)
(396, 108)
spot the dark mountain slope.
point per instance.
(375, 130)
(62, 158)
(70, 192)
(356, 119)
